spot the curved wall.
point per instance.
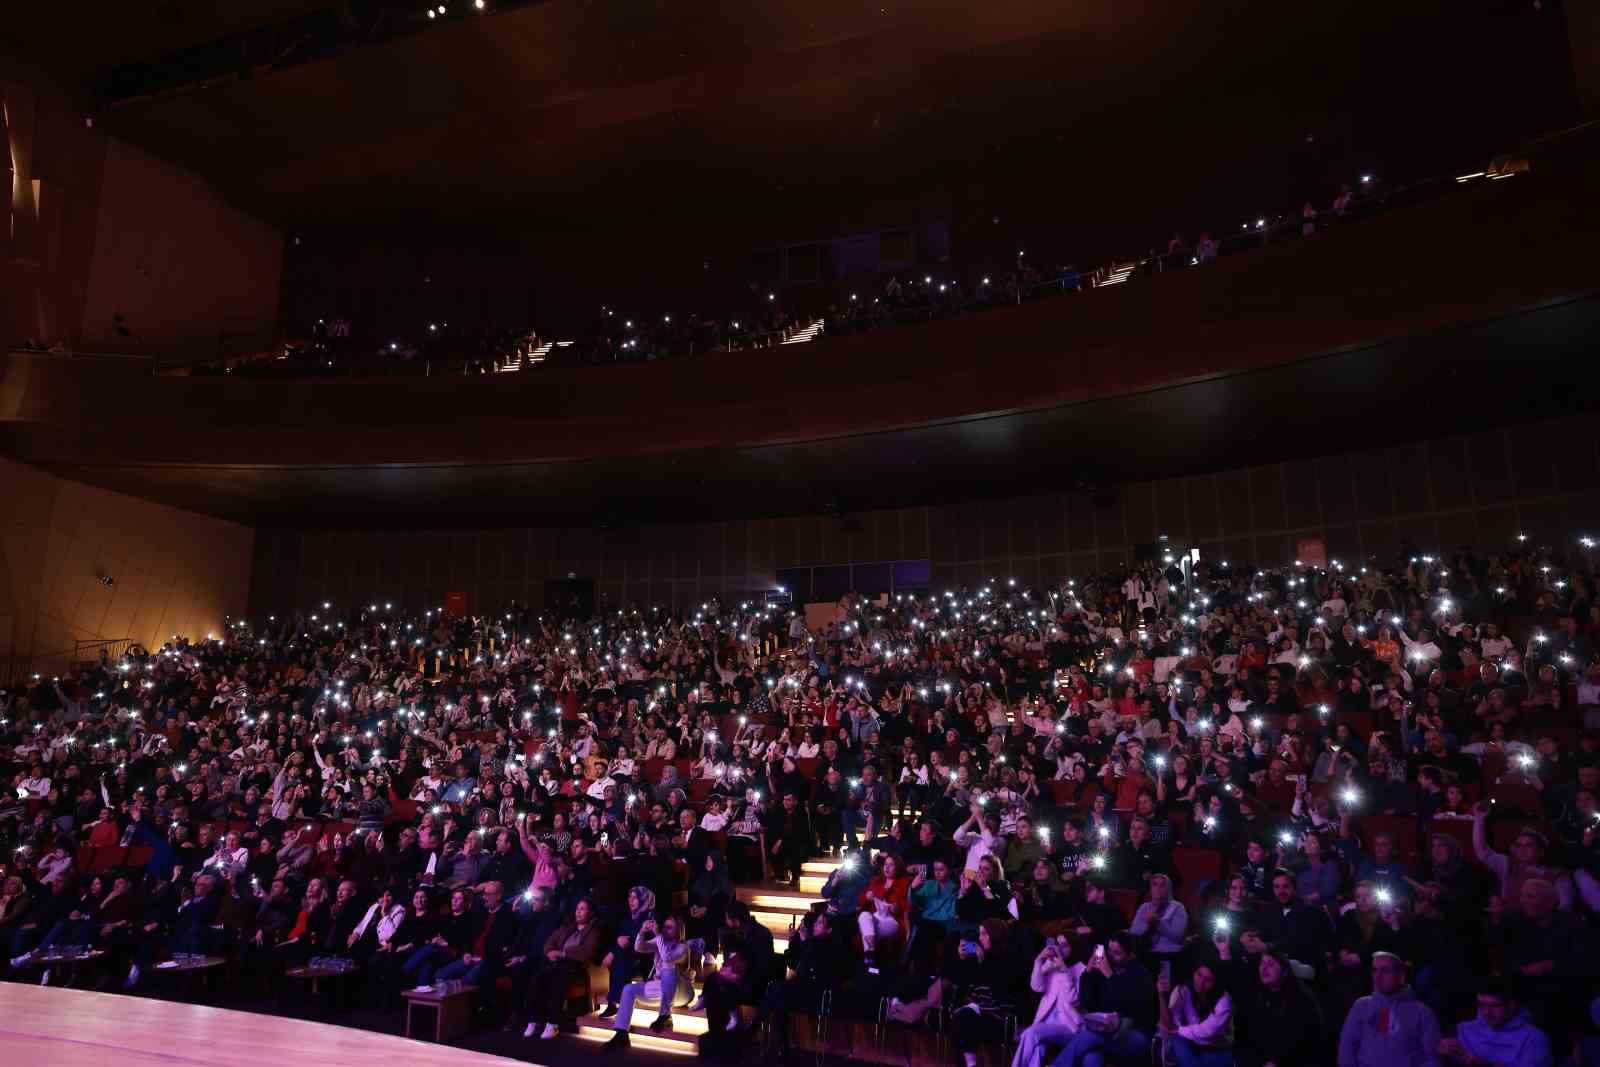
(100, 229)
(1488, 250)
(1478, 488)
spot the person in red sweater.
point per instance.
(105, 832)
(885, 907)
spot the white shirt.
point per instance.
(38, 788)
(230, 861)
(978, 844)
(388, 922)
(1495, 647)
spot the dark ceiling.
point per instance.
(580, 116)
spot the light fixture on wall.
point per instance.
(107, 580)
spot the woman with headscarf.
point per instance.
(664, 943)
(709, 893)
(620, 958)
(1457, 888)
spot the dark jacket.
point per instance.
(1300, 931)
(819, 962)
(1130, 992)
(496, 934)
(1279, 1028)
(415, 930)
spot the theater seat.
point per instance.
(1126, 901)
(1504, 831)
(1460, 829)
(1402, 828)
(1197, 867)
(106, 858)
(1515, 797)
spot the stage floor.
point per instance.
(70, 1027)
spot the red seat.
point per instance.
(1196, 868)
(403, 810)
(1504, 831)
(700, 790)
(1126, 901)
(808, 767)
(1402, 828)
(84, 859)
(1460, 829)
(1278, 798)
(1514, 796)
(106, 858)
(1362, 722)
(139, 856)
(1197, 863)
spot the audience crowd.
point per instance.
(1339, 814)
(766, 318)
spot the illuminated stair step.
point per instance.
(676, 1045)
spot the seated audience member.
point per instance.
(1276, 1018)
(1117, 998)
(747, 965)
(1057, 1020)
(572, 946)
(1500, 1034)
(885, 909)
(663, 943)
(1196, 1019)
(448, 809)
(622, 960)
(1389, 1025)
(821, 963)
(494, 930)
(1525, 861)
(1162, 920)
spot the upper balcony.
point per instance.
(1472, 308)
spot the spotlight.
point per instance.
(432, 14)
(479, 4)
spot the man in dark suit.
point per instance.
(191, 930)
(789, 839)
(1300, 931)
(692, 841)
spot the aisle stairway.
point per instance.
(805, 333)
(775, 906)
(1118, 275)
(514, 362)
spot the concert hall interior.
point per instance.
(925, 534)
